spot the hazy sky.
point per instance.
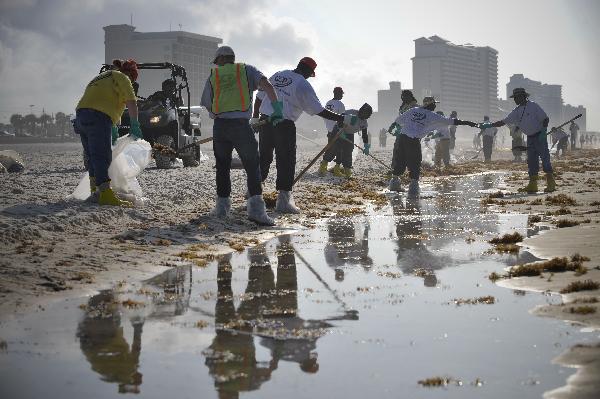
(50, 49)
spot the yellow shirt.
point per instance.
(108, 93)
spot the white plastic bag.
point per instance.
(129, 159)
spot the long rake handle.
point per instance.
(372, 156)
(328, 146)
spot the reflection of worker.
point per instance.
(343, 247)
(300, 335)
(268, 307)
(232, 359)
(412, 253)
(104, 346)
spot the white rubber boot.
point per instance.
(222, 207)
(257, 212)
(285, 203)
(395, 184)
(413, 188)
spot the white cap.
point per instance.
(223, 50)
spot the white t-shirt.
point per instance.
(353, 124)
(296, 94)
(334, 106)
(417, 122)
(490, 132)
(528, 118)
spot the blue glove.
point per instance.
(135, 129)
(543, 135)
(114, 133)
(277, 115)
(366, 149)
(485, 125)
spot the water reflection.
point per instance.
(105, 346)
(269, 310)
(348, 243)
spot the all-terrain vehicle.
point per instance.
(171, 127)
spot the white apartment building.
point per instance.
(464, 78)
(193, 51)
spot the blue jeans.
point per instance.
(227, 135)
(537, 147)
(94, 130)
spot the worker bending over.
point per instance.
(98, 112)
(355, 121)
(298, 96)
(414, 124)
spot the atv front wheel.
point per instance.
(164, 161)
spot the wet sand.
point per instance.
(54, 248)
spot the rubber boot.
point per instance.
(550, 183)
(323, 168)
(413, 188)
(395, 184)
(285, 203)
(257, 212)
(347, 173)
(222, 207)
(532, 187)
(338, 171)
(108, 197)
(331, 170)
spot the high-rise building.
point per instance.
(193, 51)
(464, 78)
(388, 101)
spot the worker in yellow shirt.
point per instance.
(98, 112)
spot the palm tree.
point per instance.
(30, 120)
(61, 120)
(44, 120)
(16, 120)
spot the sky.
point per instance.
(50, 49)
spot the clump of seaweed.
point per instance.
(507, 248)
(494, 276)
(560, 223)
(536, 202)
(486, 300)
(583, 310)
(507, 239)
(435, 382)
(576, 286)
(554, 265)
(532, 219)
(560, 211)
(560, 199)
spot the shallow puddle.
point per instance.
(357, 307)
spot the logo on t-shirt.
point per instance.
(281, 81)
(417, 117)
